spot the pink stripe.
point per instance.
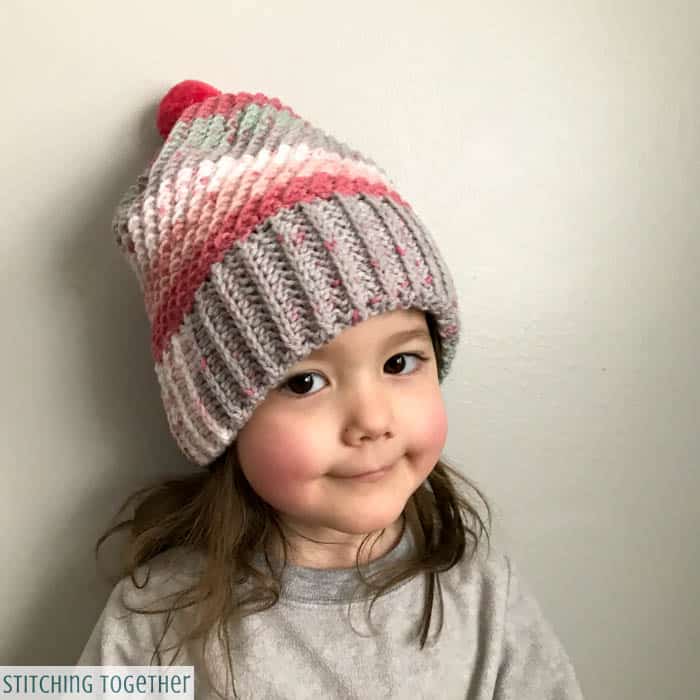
(217, 208)
(180, 294)
(223, 104)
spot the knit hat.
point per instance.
(256, 238)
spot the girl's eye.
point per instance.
(300, 382)
(419, 357)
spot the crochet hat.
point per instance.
(256, 238)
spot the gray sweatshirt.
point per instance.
(495, 641)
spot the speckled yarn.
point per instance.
(257, 237)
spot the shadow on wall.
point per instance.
(121, 389)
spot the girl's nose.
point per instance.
(369, 417)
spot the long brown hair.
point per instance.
(216, 513)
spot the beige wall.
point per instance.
(553, 148)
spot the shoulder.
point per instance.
(163, 576)
(490, 581)
(122, 635)
(529, 658)
(486, 574)
(154, 586)
(493, 576)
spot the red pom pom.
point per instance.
(177, 99)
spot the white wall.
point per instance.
(554, 150)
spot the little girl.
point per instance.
(303, 321)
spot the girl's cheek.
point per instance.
(428, 425)
(436, 425)
(283, 453)
(429, 433)
(276, 461)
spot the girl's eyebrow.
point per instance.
(394, 339)
(410, 334)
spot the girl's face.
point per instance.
(361, 402)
